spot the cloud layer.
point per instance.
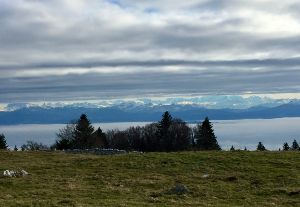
(99, 49)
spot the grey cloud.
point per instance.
(143, 84)
(215, 47)
(246, 64)
(213, 5)
(39, 34)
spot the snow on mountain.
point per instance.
(209, 102)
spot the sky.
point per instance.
(77, 50)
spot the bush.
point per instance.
(260, 147)
(34, 146)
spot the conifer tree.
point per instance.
(164, 135)
(205, 136)
(295, 145)
(15, 148)
(166, 121)
(2, 142)
(285, 147)
(260, 147)
(83, 133)
(100, 139)
(232, 148)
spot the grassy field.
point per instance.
(235, 179)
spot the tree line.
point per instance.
(168, 134)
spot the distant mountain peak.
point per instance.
(128, 112)
(210, 102)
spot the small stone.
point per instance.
(7, 173)
(205, 176)
(24, 173)
(179, 189)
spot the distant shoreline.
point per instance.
(147, 121)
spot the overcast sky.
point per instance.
(64, 50)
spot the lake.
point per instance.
(240, 133)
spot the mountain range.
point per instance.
(132, 112)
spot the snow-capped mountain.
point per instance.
(143, 111)
(209, 102)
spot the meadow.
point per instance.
(239, 178)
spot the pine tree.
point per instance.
(83, 133)
(100, 139)
(166, 121)
(232, 148)
(164, 136)
(295, 145)
(260, 147)
(245, 149)
(15, 149)
(2, 142)
(285, 147)
(206, 138)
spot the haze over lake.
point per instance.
(240, 133)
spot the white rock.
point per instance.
(24, 173)
(205, 176)
(11, 173)
(8, 173)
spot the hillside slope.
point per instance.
(235, 179)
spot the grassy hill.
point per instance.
(235, 179)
